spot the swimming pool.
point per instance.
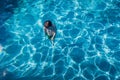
(87, 44)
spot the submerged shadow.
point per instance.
(7, 8)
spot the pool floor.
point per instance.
(86, 46)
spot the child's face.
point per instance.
(46, 24)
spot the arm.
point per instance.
(45, 31)
(53, 36)
(54, 32)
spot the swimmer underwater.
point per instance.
(50, 30)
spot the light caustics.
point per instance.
(86, 45)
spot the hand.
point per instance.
(52, 39)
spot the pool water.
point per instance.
(86, 47)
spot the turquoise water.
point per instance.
(87, 44)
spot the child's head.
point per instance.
(47, 23)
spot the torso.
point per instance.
(50, 30)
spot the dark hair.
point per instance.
(49, 22)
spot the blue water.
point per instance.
(87, 44)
